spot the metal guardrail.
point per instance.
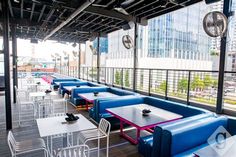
(190, 86)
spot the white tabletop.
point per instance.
(91, 97)
(56, 125)
(69, 88)
(32, 84)
(41, 94)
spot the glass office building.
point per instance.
(179, 35)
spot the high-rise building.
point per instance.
(172, 41)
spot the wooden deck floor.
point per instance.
(119, 147)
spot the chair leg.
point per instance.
(98, 147)
(107, 146)
(19, 114)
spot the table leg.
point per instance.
(130, 139)
(86, 105)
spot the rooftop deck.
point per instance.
(29, 129)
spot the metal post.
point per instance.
(167, 80)
(79, 60)
(55, 64)
(60, 65)
(188, 91)
(68, 63)
(135, 55)
(223, 45)
(98, 58)
(149, 81)
(14, 60)
(5, 15)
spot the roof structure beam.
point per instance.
(32, 11)
(21, 9)
(109, 13)
(70, 18)
(41, 13)
(10, 8)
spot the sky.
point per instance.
(43, 49)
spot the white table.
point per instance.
(32, 86)
(57, 125)
(41, 94)
(228, 149)
(35, 95)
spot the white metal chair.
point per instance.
(74, 151)
(26, 104)
(60, 102)
(46, 105)
(69, 135)
(103, 131)
(22, 92)
(26, 146)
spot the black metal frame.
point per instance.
(223, 46)
(5, 14)
(14, 61)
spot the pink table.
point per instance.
(132, 115)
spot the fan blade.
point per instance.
(121, 10)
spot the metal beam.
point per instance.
(10, 8)
(109, 13)
(79, 60)
(7, 64)
(98, 58)
(223, 46)
(135, 55)
(21, 9)
(32, 11)
(41, 14)
(70, 18)
(14, 60)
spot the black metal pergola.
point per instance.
(78, 21)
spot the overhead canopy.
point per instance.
(81, 20)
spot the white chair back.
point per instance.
(11, 142)
(74, 151)
(104, 126)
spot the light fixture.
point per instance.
(16, 1)
(74, 44)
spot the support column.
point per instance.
(5, 14)
(135, 56)
(14, 60)
(68, 63)
(60, 66)
(79, 60)
(223, 48)
(98, 58)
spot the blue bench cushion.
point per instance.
(191, 135)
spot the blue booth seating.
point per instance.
(98, 110)
(76, 100)
(193, 137)
(184, 137)
(100, 106)
(151, 144)
(62, 90)
(55, 86)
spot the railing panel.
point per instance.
(142, 78)
(230, 91)
(203, 87)
(158, 82)
(178, 84)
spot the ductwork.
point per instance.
(71, 17)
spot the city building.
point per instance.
(172, 41)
